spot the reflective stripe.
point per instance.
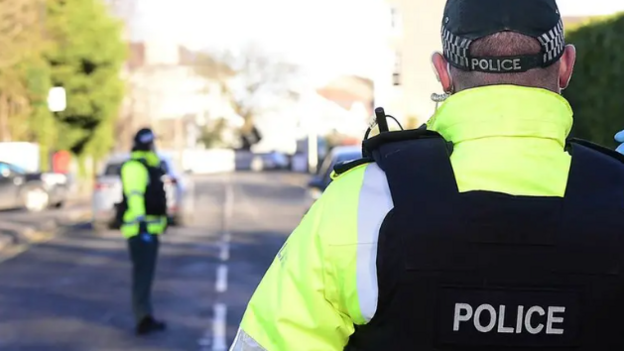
(139, 219)
(375, 201)
(244, 342)
(135, 193)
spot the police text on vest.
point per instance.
(486, 318)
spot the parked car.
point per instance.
(269, 161)
(322, 179)
(107, 193)
(34, 191)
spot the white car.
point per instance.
(107, 193)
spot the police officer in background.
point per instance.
(144, 211)
(485, 228)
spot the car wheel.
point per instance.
(36, 199)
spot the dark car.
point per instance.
(31, 190)
(338, 154)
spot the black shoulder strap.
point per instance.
(595, 147)
(344, 167)
(417, 167)
(595, 173)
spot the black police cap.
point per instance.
(144, 136)
(465, 21)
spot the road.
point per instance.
(72, 292)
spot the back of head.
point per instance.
(144, 140)
(507, 44)
(493, 42)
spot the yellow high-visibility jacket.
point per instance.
(135, 178)
(506, 139)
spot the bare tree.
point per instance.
(254, 81)
(261, 81)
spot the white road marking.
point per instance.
(219, 327)
(221, 285)
(219, 322)
(228, 204)
(224, 253)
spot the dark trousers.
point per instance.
(144, 254)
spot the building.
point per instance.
(166, 92)
(404, 84)
(350, 105)
(163, 89)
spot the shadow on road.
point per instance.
(75, 295)
(252, 254)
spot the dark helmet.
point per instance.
(144, 139)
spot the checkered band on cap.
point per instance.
(456, 48)
(553, 43)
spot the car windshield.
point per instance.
(348, 157)
(16, 169)
(330, 161)
(113, 169)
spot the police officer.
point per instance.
(144, 210)
(619, 137)
(485, 228)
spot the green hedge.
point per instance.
(596, 91)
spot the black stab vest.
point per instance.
(491, 271)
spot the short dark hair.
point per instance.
(507, 44)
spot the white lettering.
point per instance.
(552, 319)
(475, 63)
(459, 317)
(496, 65)
(519, 319)
(484, 65)
(501, 321)
(464, 313)
(507, 65)
(477, 318)
(527, 320)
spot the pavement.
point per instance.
(71, 292)
(19, 229)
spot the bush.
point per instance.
(598, 80)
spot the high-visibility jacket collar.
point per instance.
(150, 157)
(503, 111)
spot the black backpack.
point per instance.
(155, 196)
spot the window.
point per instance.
(396, 75)
(16, 169)
(325, 166)
(340, 158)
(395, 19)
(113, 169)
(7, 170)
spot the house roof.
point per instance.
(347, 90)
(205, 63)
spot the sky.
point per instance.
(328, 36)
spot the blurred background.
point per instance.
(253, 102)
(273, 76)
